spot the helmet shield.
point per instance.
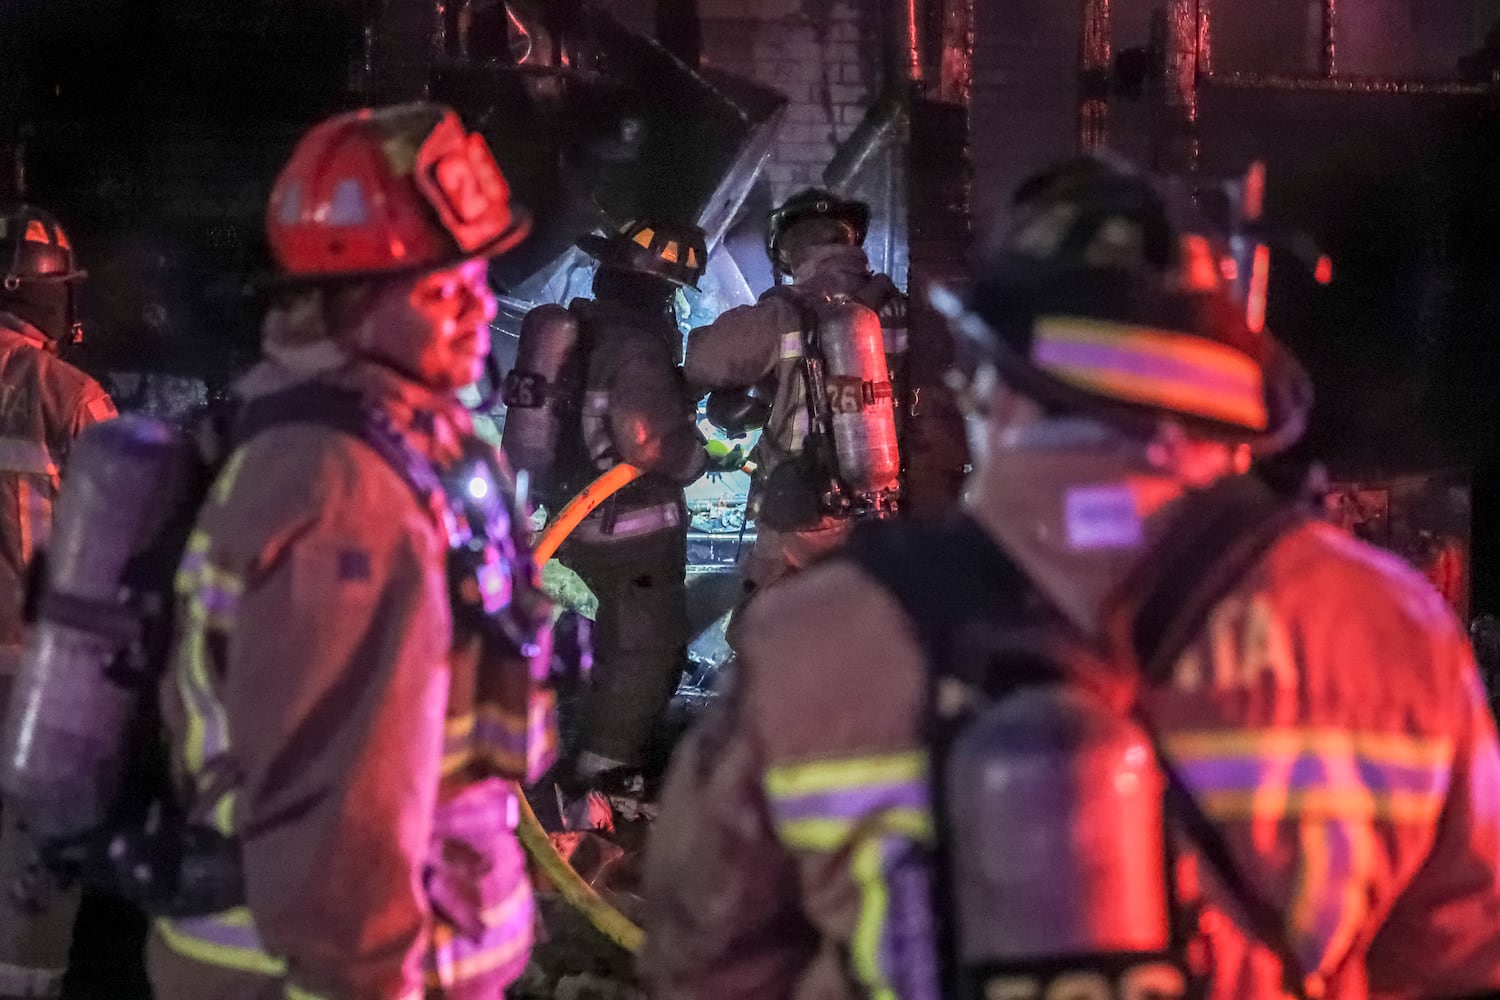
(673, 251)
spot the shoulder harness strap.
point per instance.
(348, 412)
(957, 587)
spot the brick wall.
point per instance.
(824, 56)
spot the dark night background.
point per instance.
(155, 127)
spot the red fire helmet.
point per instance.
(389, 190)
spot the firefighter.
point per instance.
(44, 404)
(1323, 717)
(628, 404)
(751, 356)
(321, 704)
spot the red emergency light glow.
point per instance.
(1324, 271)
(1260, 274)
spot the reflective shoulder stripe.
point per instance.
(596, 402)
(823, 805)
(228, 940)
(791, 345)
(24, 455)
(876, 813)
(809, 777)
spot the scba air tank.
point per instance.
(534, 396)
(860, 401)
(1056, 857)
(87, 662)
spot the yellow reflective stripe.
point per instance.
(1328, 804)
(788, 780)
(520, 896)
(1387, 748)
(458, 743)
(1353, 888)
(208, 596)
(873, 909)
(195, 737)
(223, 814)
(1309, 877)
(835, 834)
(295, 992)
(203, 708)
(476, 965)
(193, 558)
(244, 959)
(231, 471)
(791, 345)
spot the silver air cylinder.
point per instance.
(68, 725)
(533, 398)
(859, 390)
(1057, 859)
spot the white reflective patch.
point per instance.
(1102, 517)
(348, 206)
(596, 402)
(791, 344)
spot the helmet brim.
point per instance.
(599, 248)
(1288, 389)
(279, 281)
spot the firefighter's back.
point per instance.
(1327, 718)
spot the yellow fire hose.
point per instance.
(607, 919)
